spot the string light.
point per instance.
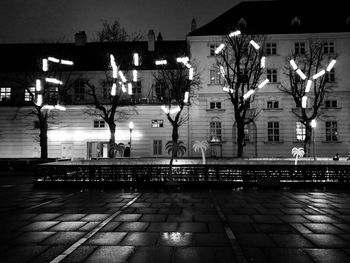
(54, 81)
(136, 59)
(293, 64)
(301, 74)
(248, 94)
(129, 88)
(235, 33)
(219, 48)
(254, 44)
(319, 74)
(308, 86)
(45, 65)
(161, 62)
(262, 84)
(114, 89)
(187, 94)
(331, 65)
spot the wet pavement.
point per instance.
(179, 225)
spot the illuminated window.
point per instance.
(157, 147)
(79, 89)
(99, 123)
(273, 131)
(271, 48)
(215, 77)
(331, 104)
(331, 131)
(215, 131)
(157, 124)
(300, 131)
(27, 96)
(328, 47)
(136, 88)
(299, 48)
(330, 75)
(272, 75)
(272, 104)
(5, 94)
(215, 105)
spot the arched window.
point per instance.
(242, 23)
(296, 21)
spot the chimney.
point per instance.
(159, 37)
(80, 38)
(151, 40)
(193, 25)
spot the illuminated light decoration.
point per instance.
(187, 65)
(262, 84)
(134, 75)
(293, 64)
(48, 107)
(123, 78)
(219, 48)
(308, 86)
(114, 89)
(234, 33)
(45, 65)
(187, 94)
(331, 65)
(222, 71)
(301, 74)
(319, 74)
(175, 110)
(313, 123)
(115, 73)
(248, 94)
(183, 60)
(123, 87)
(54, 81)
(113, 64)
(165, 109)
(38, 86)
(226, 89)
(254, 44)
(136, 59)
(52, 59)
(161, 62)
(190, 74)
(263, 62)
(304, 102)
(67, 62)
(129, 88)
(39, 100)
(60, 107)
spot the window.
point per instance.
(272, 75)
(331, 131)
(299, 48)
(52, 94)
(5, 94)
(99, 124)
(215, 131)
(246, 133)
(212, 48)
(296, 21)
(136, 88)
(328, 48)
(331, 104)
(215, 105)
(157, 147)
(79, 89)
(300, 131)
(272, 104)
(271, 48)
(273, 131)
(27, 96)
(160, 88)
(157, 124)
(216, 78)
(330, 75)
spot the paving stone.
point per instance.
(67, 226)
(31, 237)
(224, 255)
(110, 254)
(290, 240)
(147, 210)
(192, 227)
(256, 255)
(328, 255)
(127, 217)
(20, 254)
(301, 228)
(152, 255)
(287, 255)
(89, 226)
(344, 227)
(140, 239)
(326, 241)
(206, 218)
(49, 254)
(132, 226)
(254, 240)
(239, 218)
(110, 227)
(194, 255)
(153, 218)
(321, 219)
(106, 238)
(323, 228)
(70, 217)
(39, 226)
(294, 219)
(210, 239)
(180, 218)
(95, 217)
(63, 238)
(266, 219)
(162, 227)
(175, 239)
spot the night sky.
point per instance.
(24, 21)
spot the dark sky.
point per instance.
(58, 20)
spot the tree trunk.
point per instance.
(175, 136)
(170, 173)
(203, 156)
(307, 141)
(43, 142)
(111, 140)
(240, 140)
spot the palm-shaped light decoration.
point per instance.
(174, 148)
(202, 146)
(120, 147)
(297, 153)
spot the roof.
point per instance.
(275, 17)
(93, 56)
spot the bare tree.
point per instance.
(311, 60)
(239, 63)
(114, 32)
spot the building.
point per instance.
(288, 27)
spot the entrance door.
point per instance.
(97, 150)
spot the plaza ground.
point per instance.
(172, 225)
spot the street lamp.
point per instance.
(313, 125)
(131, 126)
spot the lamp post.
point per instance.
(313, 125)
(131, 126)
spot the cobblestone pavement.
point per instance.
(238, 225)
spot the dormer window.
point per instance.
(296, 21)
(242, 23)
